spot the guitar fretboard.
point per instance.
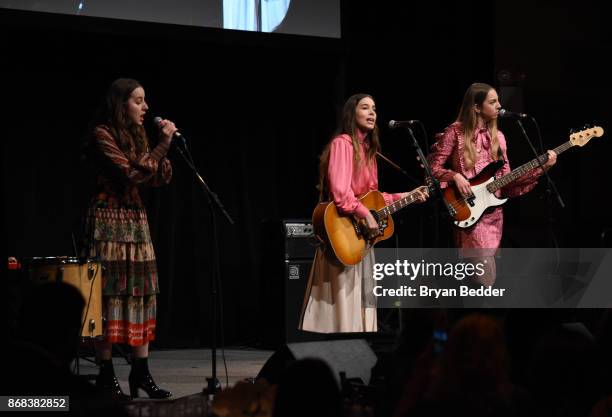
(523, 169)
(398, 205)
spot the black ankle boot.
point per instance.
(107, 381)
(140, 377)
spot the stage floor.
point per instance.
(184, 371)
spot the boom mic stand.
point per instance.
(415, 181)
(432, 181)
(538, 158)
(214, 203)
(550, 219)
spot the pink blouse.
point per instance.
(447, 159)
(348, 179)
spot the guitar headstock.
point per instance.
(582, 137)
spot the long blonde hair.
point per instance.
(476, 95)
(348, 126)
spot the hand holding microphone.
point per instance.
(167, 130)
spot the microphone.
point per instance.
(394, 123)
(157, 120)
(506, 113)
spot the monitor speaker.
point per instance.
(354, 357)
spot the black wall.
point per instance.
(556, 54)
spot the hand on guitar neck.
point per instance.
(421, 194)
(552, 159)
(469, 199)
(465, 188)
(373, 227)
(350, 237)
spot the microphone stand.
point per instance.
(433, 182)
(551, 184)
(397, 168)
(550, 219)
(414, 180)
(213, 202)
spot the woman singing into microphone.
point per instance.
(339, 298)
(118, 230)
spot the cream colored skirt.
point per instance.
(339, 298)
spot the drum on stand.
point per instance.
(84, 274)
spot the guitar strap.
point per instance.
(323, 190)
(397, 167)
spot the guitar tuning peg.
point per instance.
(572, 131)
(587, 126)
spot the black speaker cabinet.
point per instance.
(354, 357)
(288, 252)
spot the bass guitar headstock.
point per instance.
(582, 137)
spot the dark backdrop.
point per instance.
(258, 108)
(555, 53)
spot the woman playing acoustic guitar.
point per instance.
(339, 297)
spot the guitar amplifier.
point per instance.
(299, 239)
(288, 253)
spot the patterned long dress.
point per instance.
(119, 237)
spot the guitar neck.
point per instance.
(523, 169)
(398, 205)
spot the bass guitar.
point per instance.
(468, 210)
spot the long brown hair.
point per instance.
(476, 95)
(113, 113)
(348, 126)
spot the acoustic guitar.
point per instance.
(349, 237)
